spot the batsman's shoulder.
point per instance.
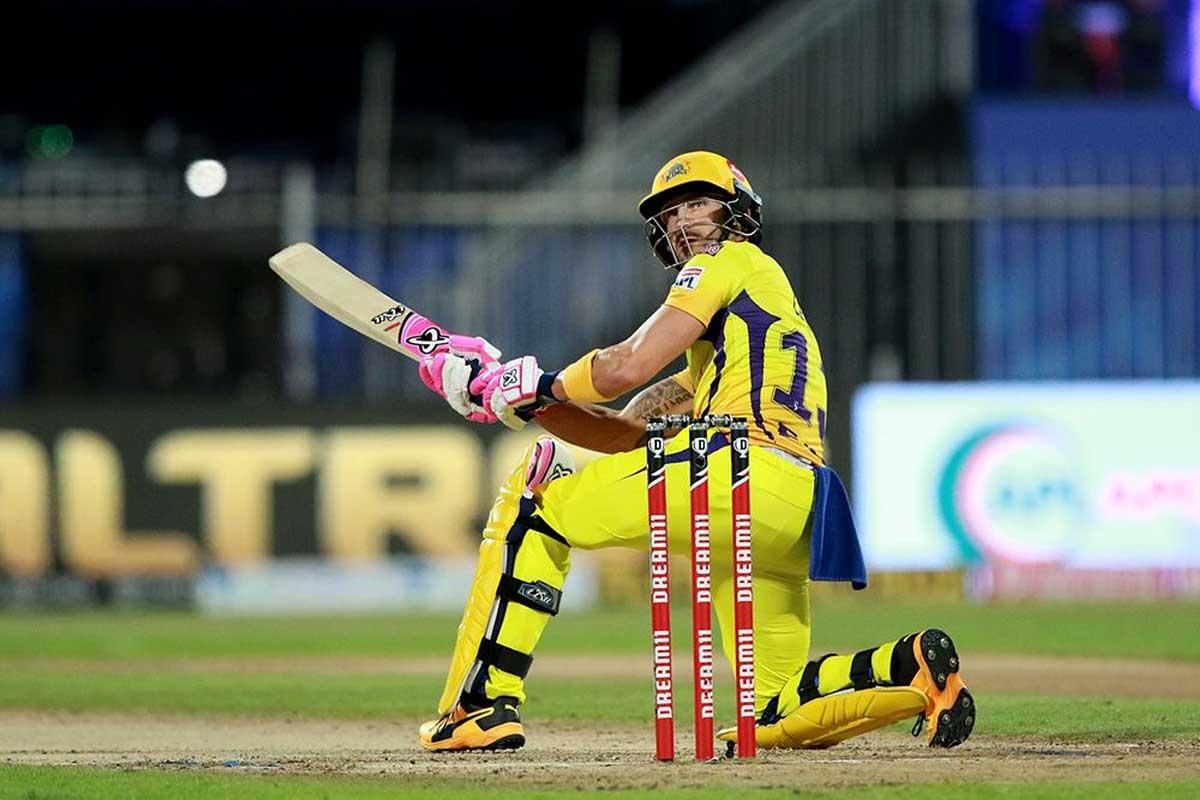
(724, 254)
(714, 271)
(738, 260)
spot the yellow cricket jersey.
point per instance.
(757, 357)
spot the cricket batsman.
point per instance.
(750, 353)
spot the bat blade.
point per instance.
(343, 295)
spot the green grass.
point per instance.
(135, 635)
(114, 662)
(1128, 630)
(309, 695)
(389, 696)
(178, 635)
(1086, 718)
(125, 684)
(34, 783)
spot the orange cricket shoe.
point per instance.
(493, 727)
(949, 710)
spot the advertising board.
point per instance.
(360, 508)
(1021, 482)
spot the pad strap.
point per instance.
(539, 595)
(514, 662)
(541, 526)
(770, 713)
(861, 674)
(528, 519)
(809, 680)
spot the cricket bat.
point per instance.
(355, 303)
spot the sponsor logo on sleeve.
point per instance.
(689, 277)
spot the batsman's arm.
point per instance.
(613, 371)
(607, 431)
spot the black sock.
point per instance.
(904, 663)
(474, 702)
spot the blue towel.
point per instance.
(834, 552)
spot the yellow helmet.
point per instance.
(701, 171)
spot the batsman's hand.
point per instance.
(450, 372)
(512, 391)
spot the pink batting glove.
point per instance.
(475, 348)
(430, 371)
(449, 375)
(424, 339)
(503, 391)
(480, 411)
(450, 367)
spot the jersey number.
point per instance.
(758, 322)
(793, 398)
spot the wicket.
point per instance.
(701, 563)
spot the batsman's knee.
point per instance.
(546, 460)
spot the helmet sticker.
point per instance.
(674, 171)
(689, 277)
(737, 173)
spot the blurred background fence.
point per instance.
(958, 190)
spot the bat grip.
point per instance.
(476, 368)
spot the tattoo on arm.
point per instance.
(664, 397)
